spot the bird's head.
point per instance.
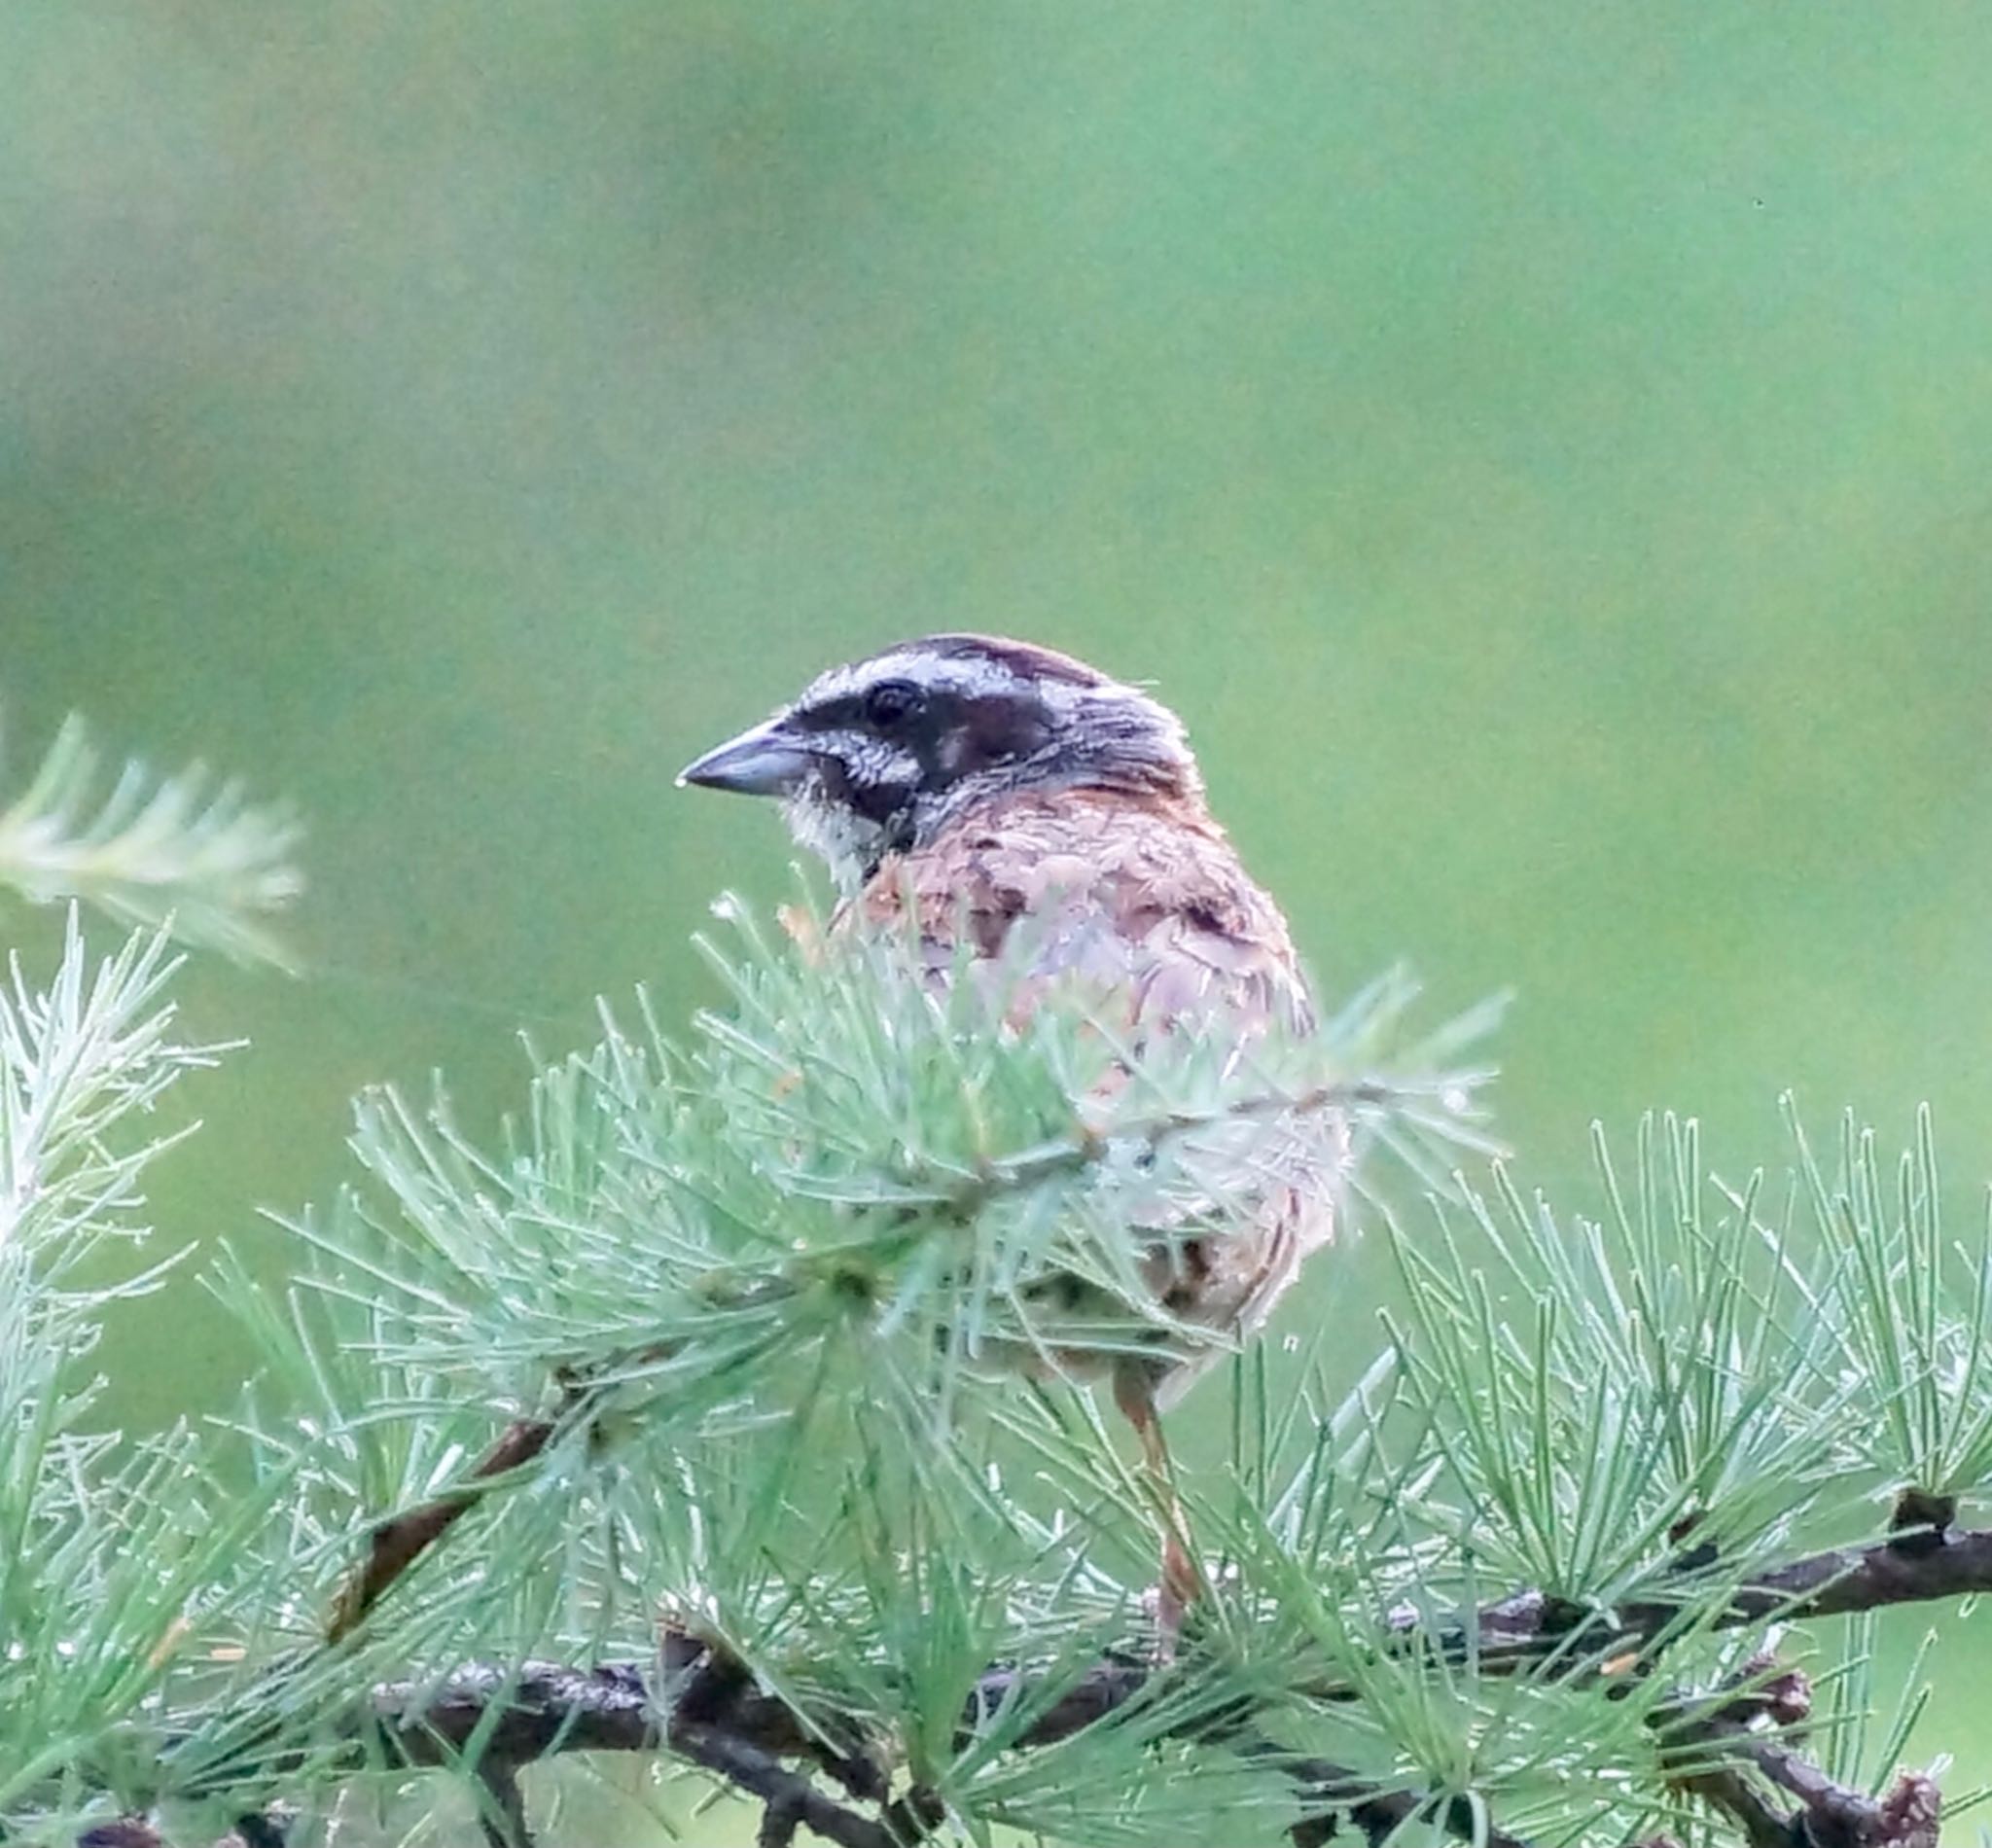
(878, 755)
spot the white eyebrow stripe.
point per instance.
(970, 676)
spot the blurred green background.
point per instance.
(1541, 449)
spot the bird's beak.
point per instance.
(767, 761)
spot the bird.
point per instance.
(963, 787)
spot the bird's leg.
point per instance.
(1181, 1582)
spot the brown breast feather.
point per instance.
(1143, 898)
(1146, 899)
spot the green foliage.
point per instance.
(1908, 1308)
(106, 1550)
(777, 1298)
(179, 853)
(1606, 1389)
(844, 1153)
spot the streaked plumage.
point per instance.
(983, 782)
(1150, 907)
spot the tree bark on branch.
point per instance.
(695, 1704)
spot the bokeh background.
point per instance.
(1541, 449)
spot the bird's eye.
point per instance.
(891, 703)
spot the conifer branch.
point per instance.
(1739, 1754)
(1920, 1568)
(1021, 1173)
(675, 1254)
(545, 1710)
(503, 1820)
(1828, 1815)
(693, 1703)
(396, 1543)
(180, 854)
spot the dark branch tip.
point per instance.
(1920, 1521)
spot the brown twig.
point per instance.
(1333, 1793)
(503, 1821)
(1839, 1581)
(1742, 1767)
(1844, 1580)
(545, 1709)
(1726, 1787)
(759, 1772)
(395, 1544)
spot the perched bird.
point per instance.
(980, 782)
